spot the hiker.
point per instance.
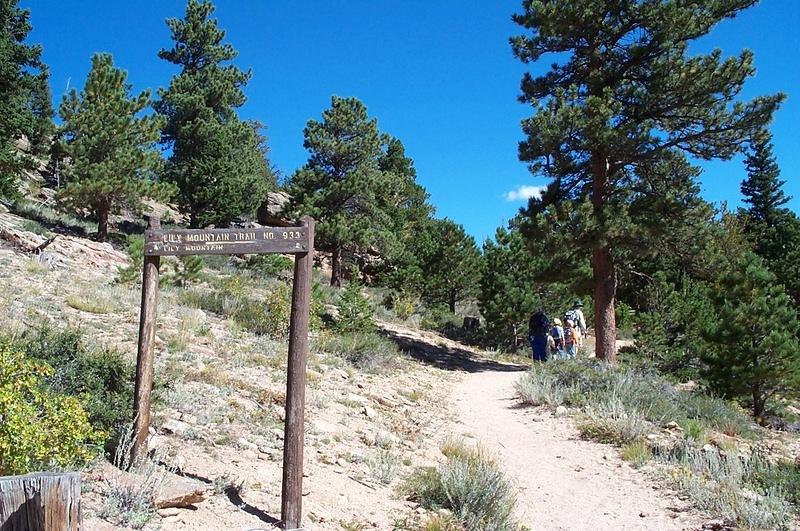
(557, 334)
(570, 340)
(578, 320)
(538, 330)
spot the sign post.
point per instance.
(297, 240)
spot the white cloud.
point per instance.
(525, 192)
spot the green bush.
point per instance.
(101, 379)
(270, 265)
(355, 312)
(231, 299)
(133, 272)
(471, 486)
(41, 429)
(367, 351)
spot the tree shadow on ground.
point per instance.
(446, 357)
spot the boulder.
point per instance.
(179, 492)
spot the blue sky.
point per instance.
(438, 75)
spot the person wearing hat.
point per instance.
(557, 333)
(578, 320)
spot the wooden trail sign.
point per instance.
(265, 240)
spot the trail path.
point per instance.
(563, 482)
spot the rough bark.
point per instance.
(605, 275)
(102, 223)
(451, 301)
(336, 267)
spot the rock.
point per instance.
(170, 511)
(643, 514)
(714, 525)
(708, 448)
(689, 386)
(323, 426)
(369, 412)
(277, 433)
(271, 211)
(672, 425)
(384, 401)
(179, 492)
(561, 411)
(175, 427)
(360, 385)
(341, 462)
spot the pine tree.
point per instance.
(218, 162)
(342, 185)
(24, 97)
(355, 313)
(763, 189)
(752, 351)
(773, 229)
(623, 91)
(450, 263)
(510, 290)
(113, 151)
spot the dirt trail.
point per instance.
(563, 481)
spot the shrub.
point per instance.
(271, 265)
(367, 351)
(186, 270)
(355, 312)
(471, 485)
(40, 429)
(723, 484)
(637, 453)
(268, 316)
(101, 379)
(133, 272)
(382, 466)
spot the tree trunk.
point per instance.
(451, 301)
(605, 275)
(336, 267)
(102, 223)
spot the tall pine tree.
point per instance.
(112, 150)
(218, 161)
(773, 229)
(621, 92)
(343, 186)
(25, 108)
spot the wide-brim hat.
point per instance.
(578, 303)
(557, 321)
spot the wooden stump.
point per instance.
(40, 502)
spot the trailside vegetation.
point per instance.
(751, 350)
(25, 104)
(621, 93)
(112, 151)
(218, 161)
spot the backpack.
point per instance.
(538, 325)
(571, 315)
(557, 339)
(569, 336)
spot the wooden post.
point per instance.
(145, 354)
(41, 502)
(292, 492)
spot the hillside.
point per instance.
(217, 432)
